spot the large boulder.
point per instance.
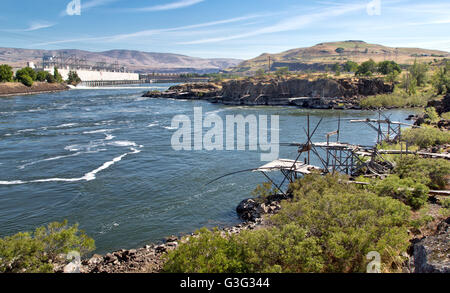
(432, 254)
(249, 210)
(441, 106)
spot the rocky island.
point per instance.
(317, 94)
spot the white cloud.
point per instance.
(146, 33)
(34, 26)
(95, 3)
(290, 24)
(170, 6)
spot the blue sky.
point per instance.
(222, 28)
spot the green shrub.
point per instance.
(446, 203)
(431, 173)
(327, 227)
(6, 73)
(272, 250)
(26, 71)
(42, 76)
(50, 78)
(441, 79)
(446, 116)
(432, 115)
(367, 68)
(73, 78)
(57, 75)
(388, 67)
(26, 80)
(398, 99)
(412, 193)
(33, 252)
(426, 136)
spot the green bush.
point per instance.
(6, 73)
(42, 76)
(412, 193)
(388, 67)
(26, 80)
(33, 252)
(350, 66)
(327, 227)
(432, 115)
(50, 78)
(441, 79)
(446, 116)
(446, 203)
(426, 136)
(272, 250)
(57, 75)
(367, 68)
(73, 78)
(398, 99)
(26, 71)
(431, 173)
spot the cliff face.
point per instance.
(249, 92)
(320, 93)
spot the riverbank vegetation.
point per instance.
(328, 226)
(35, 252)
(27, 76)
(416, 87)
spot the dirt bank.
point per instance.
(8, 89)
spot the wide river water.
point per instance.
(103, 158)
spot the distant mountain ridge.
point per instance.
(143, 62)
(325, 54)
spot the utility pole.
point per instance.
(269, 64)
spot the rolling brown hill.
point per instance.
(143, 62)
(324, 54)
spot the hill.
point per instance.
(143, 62)
(325, 54)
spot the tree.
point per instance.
(350, 66)
(6, 73)
(367, 68)
(340, 50)
(42, 76)
(418, 73)
(441, 79)
(26, 71)
(409, 84)
(337, 69)
(34, 252)
(260, 72)
(50, 78)
(388, 67)
(57, 75)
(24, 76)
(282, 71)
(73, 79)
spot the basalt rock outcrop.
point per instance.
(441, 106)
(432, 254)
(320, 93)
(253, 209)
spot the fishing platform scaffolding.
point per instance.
(336, 156)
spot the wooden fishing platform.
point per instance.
(336, 156)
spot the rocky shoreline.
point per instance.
(428, 254)
(149, 259)
(315, 94)
(9, 89)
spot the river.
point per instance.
(103, 158)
